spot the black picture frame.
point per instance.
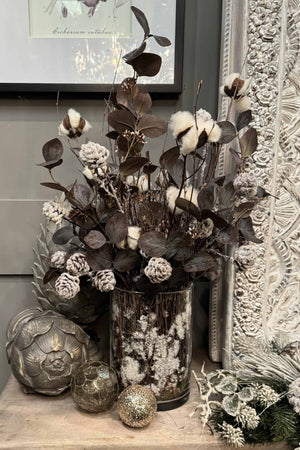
(89, 89)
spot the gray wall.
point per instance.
(26, 123)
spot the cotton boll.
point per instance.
(230, 79)
(62, 131)
(131, 180)
(88, 173)
(74, 117)
(222, 91)
(121, 244)
(243, 104)
(143, 183)
(180, 121)
(171, 196)
(245, 88)
(215, 133)
(190, 194)
(133, 236)
(189, 141)
(203, 114)
(86, 127)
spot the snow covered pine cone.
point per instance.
(58, 259)
(158, 270)
(93, 154)
(104, 280)
(67, 285)
(77, 265)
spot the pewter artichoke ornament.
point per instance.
(43, 349)
(83, 308)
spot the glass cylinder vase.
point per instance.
(151, 342)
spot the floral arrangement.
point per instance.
(258, 401)
(146, 227)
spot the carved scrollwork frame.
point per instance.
(261, 40)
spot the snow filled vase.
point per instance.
(151, 342)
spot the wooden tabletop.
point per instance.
(40, 422)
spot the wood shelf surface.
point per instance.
(38, 422)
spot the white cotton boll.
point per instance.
(62, 131)
(121, 244)
(143, 183)
(180, 121)
(214, 134)
(133, 236)
(230, 79)
(221, 90)
(189, 141)
(203, 114)
(243, 104)
(88, 173)
(86, 127)
(190, 194)
(171, 196)
(131, 180)
(74, 117)
(245, 88)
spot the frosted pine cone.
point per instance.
(246, 185)
(248, 417)
(233, 436)
(77, 265)
(67, 286)
(104, 280)
(294, 395)
(265, 395)
(54, 211)
(93, 154)
(58, 259)
(158, 270)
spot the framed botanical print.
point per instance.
(77, 45)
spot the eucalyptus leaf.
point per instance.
(146, 64)
(141, 18)
(248, 142)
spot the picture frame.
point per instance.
(38, 60)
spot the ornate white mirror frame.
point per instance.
(261, 40)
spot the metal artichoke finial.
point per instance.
(43, 349)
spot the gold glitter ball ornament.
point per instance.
(137, 406)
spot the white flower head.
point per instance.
(93, 154)
(133, 236)
(73, 124)
(54, 211)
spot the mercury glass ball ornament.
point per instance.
(94, 386)
(137, 406)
